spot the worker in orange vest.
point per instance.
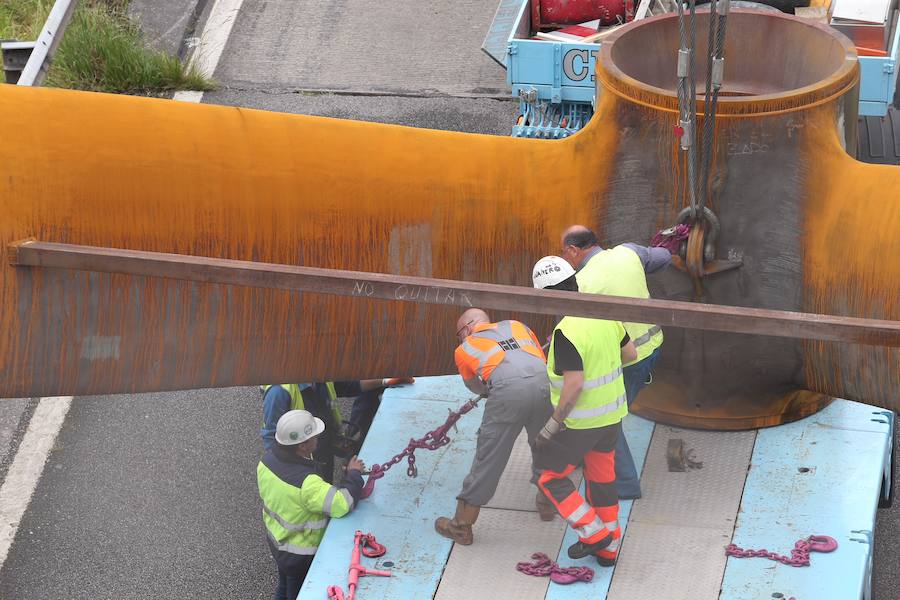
(504, 363)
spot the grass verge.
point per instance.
(102, 50)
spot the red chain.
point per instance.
(543, 566)
(432, 440)
(799, 555)
(370, 546)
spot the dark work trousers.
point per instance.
(628, 484)
(513, 402)
(316, 402)
(292, 570)
(597, 516)
(363, 412)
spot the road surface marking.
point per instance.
(212, 43)
(25, 471)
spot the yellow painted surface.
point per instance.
(234, 183)
(159, 175)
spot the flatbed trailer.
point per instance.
(823, 475)
(554, 81)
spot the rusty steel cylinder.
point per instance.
(813, 229)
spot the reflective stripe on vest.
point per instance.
(290, 523)
(640, 341)
(602, 398)
(588, 413)
(618, 271)
(328, 505)
(481, 355)
(589, 384)
(332, 393)
(320, 524)
(514, 347)
(292, 548)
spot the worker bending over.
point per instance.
(621, 271)
(321, 400)
(588, 395)
(297, 501)
(504, 363)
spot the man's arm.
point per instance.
(629, 353)
(653, 259)
(470, 378)
(476, 386)
(627, 349)
(573, 383)
(335, 501)
(276, 402)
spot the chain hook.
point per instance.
(822, 543)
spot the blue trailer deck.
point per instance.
(758, 489)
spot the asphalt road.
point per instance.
(153, 496)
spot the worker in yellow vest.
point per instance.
(621, 271)
(320, 399)
(587, 391)
(297, 501)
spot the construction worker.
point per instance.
(362, 413)
(621, 271)
(588, 395)
(297, 501)
(321, 400)
(504, 363)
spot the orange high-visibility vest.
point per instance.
(493, 343)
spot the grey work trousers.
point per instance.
(512, 404)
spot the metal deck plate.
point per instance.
(639, 431)
(402, 510)
(818, 476)
(678, 530)
(515, 490)
(487, 568)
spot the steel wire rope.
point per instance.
(715, 76)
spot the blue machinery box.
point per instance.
(555, 80)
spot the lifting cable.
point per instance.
(687, 97)
(718, 17)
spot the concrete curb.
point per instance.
(167, 24)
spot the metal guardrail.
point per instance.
(33, 70)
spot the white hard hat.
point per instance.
(296, 426)
(551, 270)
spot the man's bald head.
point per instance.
(468, 320)
(580, 237)
(577, 241)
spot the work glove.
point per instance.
(550, 428)
(395, 381)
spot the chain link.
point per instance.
(544, 566)
(799, 555)
(437, 438)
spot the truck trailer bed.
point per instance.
(759, 489)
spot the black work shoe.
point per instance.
(606, 562)
(580, 549)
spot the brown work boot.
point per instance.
(545, 508)
(459, 528)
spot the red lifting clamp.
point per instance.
(369, 547)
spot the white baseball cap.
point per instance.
(550, 270)
(296, 426)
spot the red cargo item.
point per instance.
(549, 14)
